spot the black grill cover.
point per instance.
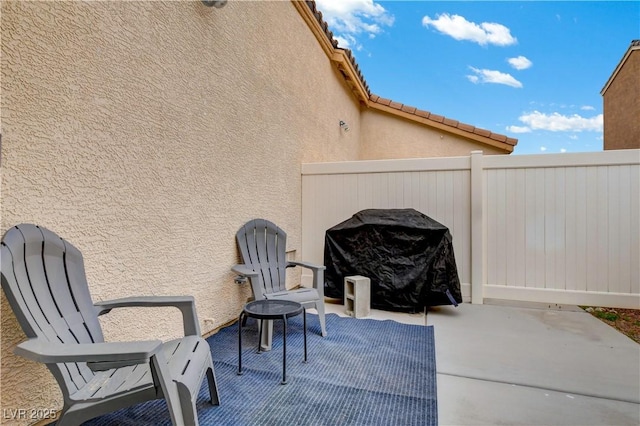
(407, 255)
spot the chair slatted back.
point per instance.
(44, 280)
(263, 246)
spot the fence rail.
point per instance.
(546, 228)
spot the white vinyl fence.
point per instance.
(553, 228)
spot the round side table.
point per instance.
(268, 309)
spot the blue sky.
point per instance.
(531, 70)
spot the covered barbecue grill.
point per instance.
(407, 255)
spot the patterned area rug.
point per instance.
(365, 372)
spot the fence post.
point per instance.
(477, 228)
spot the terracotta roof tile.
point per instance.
(466, 127)
(409, 109)
(498, 137)
(450, 122)
(436, 118)
(422, 113)
(396, 105)
(482, 132)
(383, 101)
(323, 24)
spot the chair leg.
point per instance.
(187, 405)
(267, 335)
(169, 388)
(213, 386)
(320, 309)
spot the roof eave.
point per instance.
(340, 58)
(304, 8)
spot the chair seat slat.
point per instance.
(76, 374)
(186, 364)
(301, 296)
(114, 382)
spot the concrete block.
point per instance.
(357, 296)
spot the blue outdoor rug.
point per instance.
(365, 372)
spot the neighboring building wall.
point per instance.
(384, 136)
(622, 106)
(147, 133)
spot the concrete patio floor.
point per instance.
(509, 363)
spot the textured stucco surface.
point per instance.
(385, 136)
(147, 133)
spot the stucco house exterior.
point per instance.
(621, 100)
(147, 133)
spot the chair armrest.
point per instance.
(307, 265)
(115, 354)
(186, 304)
(318, 275)
(245, 270)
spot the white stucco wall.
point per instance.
(147, 133)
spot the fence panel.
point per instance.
(553, 228)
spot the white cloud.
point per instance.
(348, 18)
(518, 129)
(556, 122)
(563, 150)
(492, 76)
(520, 63)
(543, 148)
(348, 42)
(587, 108)
(459, 28)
